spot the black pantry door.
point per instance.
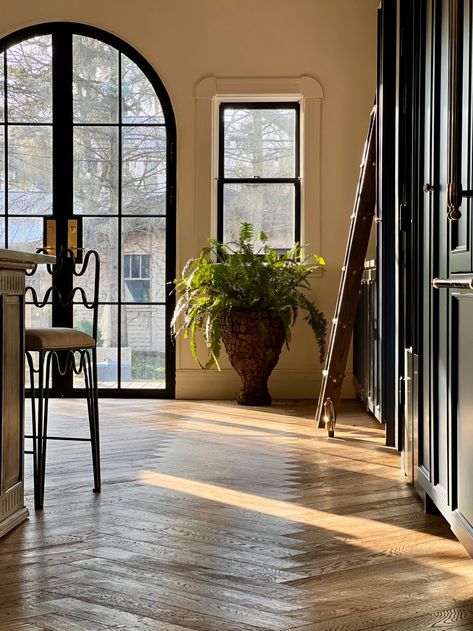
(445, 440)
(87, 149)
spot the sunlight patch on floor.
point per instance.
(354, 527)
(235, 430)
(277, 424)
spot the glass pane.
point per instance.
(145, 236)
(83, 319)
(107, 344)
(95, 81)
(40, 281)
(101, 234)
(144, 342)
(137, 290)
(145, 265)
(29, 76)
(38, 317)
(144, 171)
(269, 207)
(2, 170)
(259, 143)
(2, 86)
(25, 233)
(29, 170)
(127, 266)
(2, 232)
(95, 170)
(140, 103)
(135, 266)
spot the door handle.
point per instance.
(452, 283)
(455, 192)
(49, 236)
(74, 236)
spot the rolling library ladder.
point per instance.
(350, 282)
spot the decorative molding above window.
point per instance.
(210, 92)
(231, 88)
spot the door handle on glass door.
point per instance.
(49, 236)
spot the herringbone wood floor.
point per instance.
(216, 517)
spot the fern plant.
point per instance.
(242, 276)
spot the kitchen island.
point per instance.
(13, 266)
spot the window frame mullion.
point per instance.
(62, 179)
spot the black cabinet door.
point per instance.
(445, 441)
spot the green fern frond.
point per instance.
(248, 277)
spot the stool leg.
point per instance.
(90, 373)
(45, 412)
(39, 475)
(34, 435)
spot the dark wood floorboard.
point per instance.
(218, 517)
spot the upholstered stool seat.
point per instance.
(58, 339)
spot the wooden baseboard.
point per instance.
(13, 521)
(283, 384)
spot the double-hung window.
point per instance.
(259, 171)
(137, 277)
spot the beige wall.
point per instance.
(186, 40)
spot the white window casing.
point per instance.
(209, 93)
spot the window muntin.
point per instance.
(259, 171)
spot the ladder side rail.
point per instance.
(350, 281)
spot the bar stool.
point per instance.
(66, 350)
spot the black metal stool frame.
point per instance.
(79, 360)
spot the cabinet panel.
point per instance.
(460, 231)
(13, 265)
(462, 421)
(12, 510)
(439, 254)
(12, 354)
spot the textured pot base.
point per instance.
(256, 396)
(253, 342)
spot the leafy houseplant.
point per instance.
(248, 297)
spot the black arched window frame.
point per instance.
(62, 159)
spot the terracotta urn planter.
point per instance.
(253, 341)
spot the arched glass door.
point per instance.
(87, 148)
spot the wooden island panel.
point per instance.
(13, 266)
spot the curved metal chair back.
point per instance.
(66, 262)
